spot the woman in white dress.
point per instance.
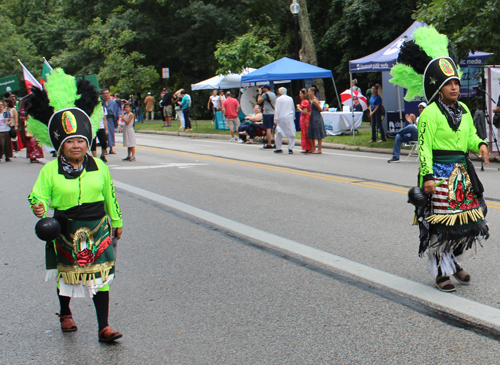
(128, 133)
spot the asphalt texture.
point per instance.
(188, 292)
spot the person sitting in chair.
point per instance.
(405, 135)
(251, 124)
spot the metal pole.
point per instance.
(336, 92)
(400, 111)
(296, 17)
(352, 108)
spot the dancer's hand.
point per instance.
(485, 154)
(430, 187)
(118, 233)
(38, 210)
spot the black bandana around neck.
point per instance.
(453, 114)
(69, 171)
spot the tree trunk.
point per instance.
(308, 52)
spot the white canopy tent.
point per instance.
(229, 81)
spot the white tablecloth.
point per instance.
(341, 122)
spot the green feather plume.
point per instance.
(407, 77)
(61, 89)
(95, 118)
(431, 41)
(39, 130)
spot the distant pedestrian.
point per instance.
(128, 133)
(149, 102)
(354, 86)
(186, 109)
(305, 112)
(285, 121)
(102, 135)
(376, 115)
(316, 131)
(113, 114)
(178, 109)
(267, 99)
(5, 140)
(213, 104)
(167, 101)
(138, 109)
(230, 109)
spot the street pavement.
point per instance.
(191, 291)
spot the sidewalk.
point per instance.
(327, 145)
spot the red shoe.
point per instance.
(67, 323)
(107, 334)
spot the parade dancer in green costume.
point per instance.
(453, 221)
(80, 190)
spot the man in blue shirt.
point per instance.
(376, 115)
(113, 113)
(186, 109)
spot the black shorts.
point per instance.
(268, 121)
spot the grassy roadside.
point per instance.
(206, 127)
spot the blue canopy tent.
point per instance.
(288, 69)
(385, 58)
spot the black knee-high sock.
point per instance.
(101, 303)
(64, 304)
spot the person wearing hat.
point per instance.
(149, 102)
(80, 190)
(452, 221)
(406, 134)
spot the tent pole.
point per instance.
(336, 92)
(400, 111)
(352, 109)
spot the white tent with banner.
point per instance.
(385, 58)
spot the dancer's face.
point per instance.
(75, 148)
(450, 91)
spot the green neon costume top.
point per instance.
(95, 184)
(434, 133)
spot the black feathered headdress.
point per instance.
(64, 110)
(425, 63)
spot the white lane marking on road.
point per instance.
(463, 306)
(179, 165)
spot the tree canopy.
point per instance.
(127, 42)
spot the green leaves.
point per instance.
(246, 51)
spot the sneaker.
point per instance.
(444, 283)
(393, 159)
(133, 159)
(267, 147)
(371, 141)
(290, 152)
(16, 155)
(241, 141)
(126, 158)
(232, 140)
(381, 140)
(278, 151)
(391, 134)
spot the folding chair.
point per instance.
(413, 151)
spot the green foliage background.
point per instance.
(127, 42)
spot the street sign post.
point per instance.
(166, 75)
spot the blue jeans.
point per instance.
(140, 117)
(377, 121)
(407, 134)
